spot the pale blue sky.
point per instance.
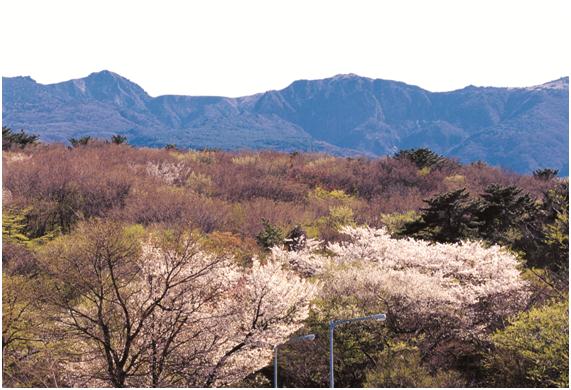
(236, 48)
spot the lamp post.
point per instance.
(332, 325)
(307, 337)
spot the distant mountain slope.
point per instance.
(518, 128)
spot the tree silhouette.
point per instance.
(11, 139)
(118, 139)
(82, 141)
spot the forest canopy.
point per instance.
(143, 267)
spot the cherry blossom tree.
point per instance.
(154, 309)
(445, 291)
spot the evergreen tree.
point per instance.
(82, 141)
(449, 217)
(422, 157)
(118, 139)
(507, 216)
(269, 236)
(11, 139)
(555, 240)
(545, 174)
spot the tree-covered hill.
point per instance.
(142, 267)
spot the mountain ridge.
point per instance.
(521, 129)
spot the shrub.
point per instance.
(340, 216)
(400, 365)
(533, 351)
(395, 222)
(65, 186)
(199, 183)
(270, 236)
(321, 193)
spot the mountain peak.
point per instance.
(106, 77)
(19, 79)
(112, 87)
(106, 72)
(348, 76)
(561, 83)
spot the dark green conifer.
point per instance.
(449, 217)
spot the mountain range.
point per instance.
(520, 129)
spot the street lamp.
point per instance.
(307, 337)
(332, 324)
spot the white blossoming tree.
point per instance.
(441, 296)
(473, 284)
(166, 313)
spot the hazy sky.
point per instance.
(240, 47)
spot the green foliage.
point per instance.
(135, 233)
(13, 226)
(506, 215)
(11, 139)
(16, 229)
(399, 364)
(502, 215)
(425, 171)
(556, 233)
(243, 249)
(449, 217)
(81, 141)
(356, 346)
(422, 157)
(322, 193)
(533, 350)
(269, 236)
(327, 227)
(396, 221)
(367, 354)
(199, 183)
(30, 356)
(118, 139)
(340, 216)
(340, 212)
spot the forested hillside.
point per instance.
(127, 266)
